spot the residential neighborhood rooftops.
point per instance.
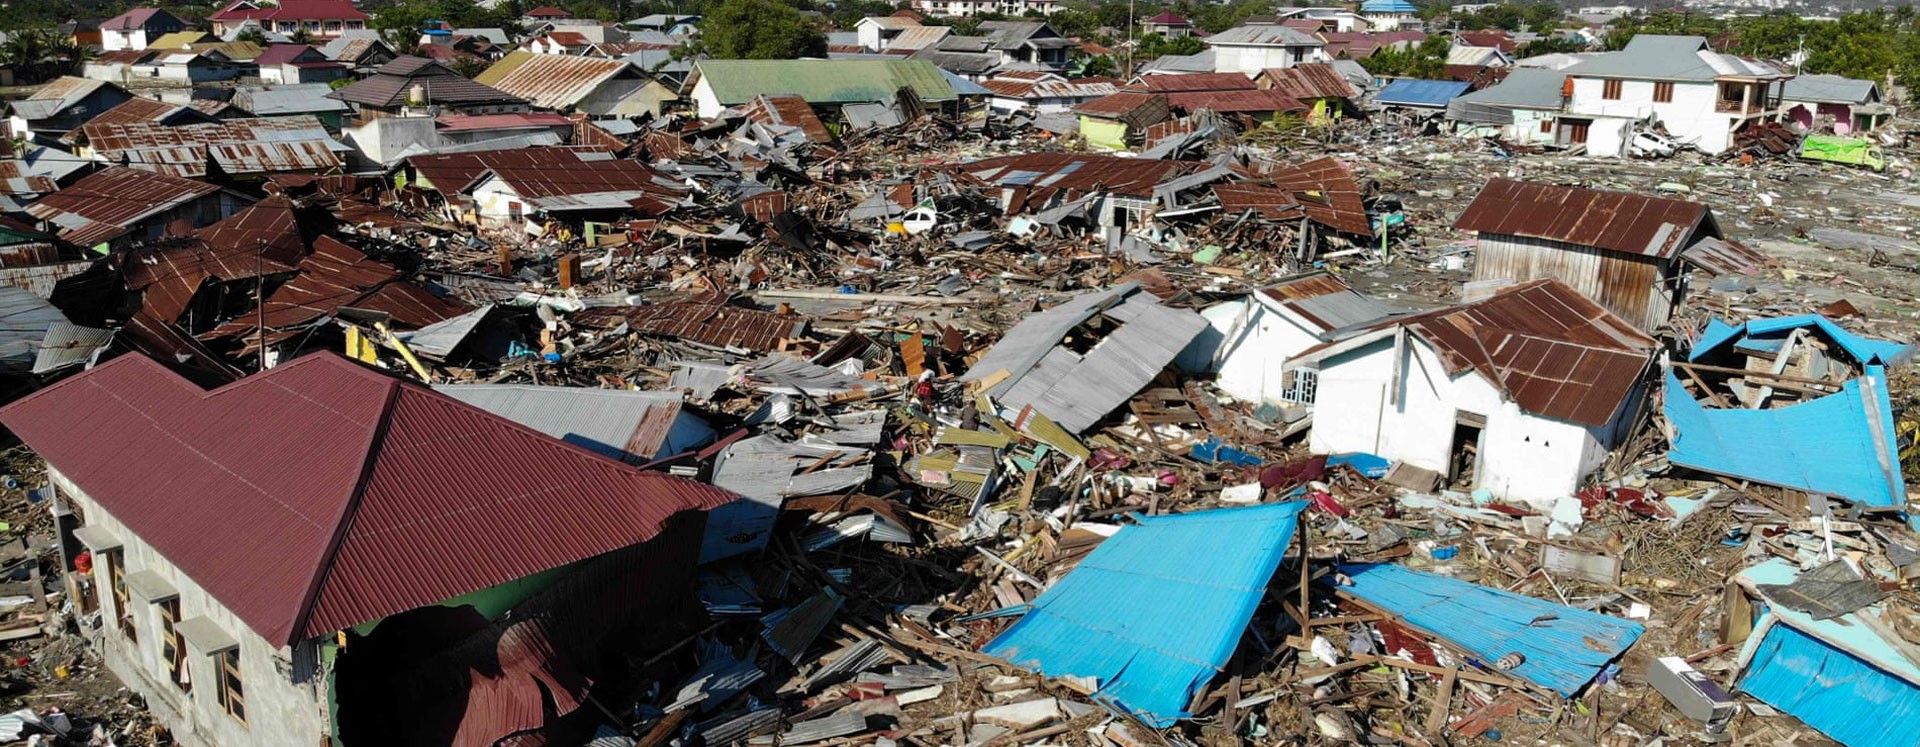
(319, 540)
(736, 82)
(552, 81)
(1617, 221)
(106, 203)
(55, 97)
(393, 82)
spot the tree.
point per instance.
(1426, 61)
(402, 21)
(253, 34)
(1155, 45)
(1101, 66)
(1551, 45)
(759, 30)
(300, 36)
(39, 54)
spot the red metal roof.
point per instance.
(1194, 82)
(281, 54)
(548, 11)
(1500, 40)
(1618, 221)
(338, 495)
(132, 19)
(334, 276)
(1121, 105)
(292, 10)
(1169, 18)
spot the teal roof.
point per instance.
(823, 81)
(1388, 6)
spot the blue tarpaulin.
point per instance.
(1155, 611)
(1428, 93)
(1564, 647)
(1836, 675)
(1842, 444)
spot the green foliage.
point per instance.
(42, 54)
(1100, 66)
(253, 34)
(1869, 44)
(1426, 60)
(402, 21)
(759, 30)
(1074, 23)
(1551, 45)
(1217, 18)
(1155, 45)
(849, 12)
(1537, 17)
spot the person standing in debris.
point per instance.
(923, 390)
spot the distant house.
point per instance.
(1251, 48)
(545, 14)
(321, 19)
(181, 40)
(1341, 20)
(223, 639)
(1522, 109)
(1480, 392)
(137, 28)
(465, 129)
(1320, 88)
(359, 50)
(1254, 336)
(718, 84)
(1700, 96)
(1427, 96)
(1044, 93)
(1623, 250)
(1168, 24)
(1028, 42)
(1116, 121)
(1501, 40)
(117, 206)
(58, 107)
(1361, 45)
(293, 101)
(876, 33)
(416, 85)
(1468, 56)
(588, 85)
(966, 8)
(676, 26)
(1390, 15)
(1844, 105)
(293, 64)
(559, 42)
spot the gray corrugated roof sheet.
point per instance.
(306, 98)
(24, 321)
(1527, 88)
(1832, 89)
(1662, 57)
(1266, 35)
(1077, 390)
(765, 471)
(608, 421)
(1200, 62)
(68, 344)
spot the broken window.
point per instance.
(173, 650)
(226, 674)
(122, 600)
(515, 212)
(1302, 385)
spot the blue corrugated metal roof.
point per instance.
(1798, 664)
(1411, 92)
(1154, 612)
(1565, 648)
(1826, 445)
(1388, 6)
(1863, 349)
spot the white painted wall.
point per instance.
(114, 40)
(1257, 341)
(1690, 116)
(1522, 456)
(1250, 60)
(492, 202)
(279, 711)
(705, 101)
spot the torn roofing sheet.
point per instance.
(1865, 350)
(1842, 444)
(1617, 221)
(765, 471)
(1564, 648)
(1076, 389)
(1154, 612)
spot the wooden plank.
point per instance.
(1442, 703)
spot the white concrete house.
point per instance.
(137, 28)
(1522, 109)
(1254, 337)
(1700, 96)
(1044, 93)
(1255, 47)
(878, 32)
(1390, 15)
(1523, 394)
(1343, 21)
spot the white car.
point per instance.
(1650, 145)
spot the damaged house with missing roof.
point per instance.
(1522, 394)
(380, 592)
(117, 206)
(1257, 334)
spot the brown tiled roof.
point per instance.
(1617, 221)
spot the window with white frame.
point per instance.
(1302, 384)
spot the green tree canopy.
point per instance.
(759, 30)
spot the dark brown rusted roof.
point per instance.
(791, 111)
(109, 202)
(1617, 221)
(1312, 80)
(1322, 187)
(708, 323)
(390, 85)
(1132, 107)
(1250, 101)
(1036, 177)
(1190, 83)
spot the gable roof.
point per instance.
(292, 10)
(238, 146)
(58, 96)
(1618, 221)
(280, 54)
(1830, 89)
(354, 495)
(823, 81)
(1195, 82)
(279, 100)
(1664, 57)
(1524, 87)
(1169, 18)
(390, 84)
(108, 202)
(552, 81)
(1547, 348)
(178, 39)
(141, 109)
(1264, 35)
(1324, 301)
(138, 18)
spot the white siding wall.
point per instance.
(1690, 117)
(279, 711)
(706, 102)
(116, 40)
(1521, 456)
(493, 200)
(1252, 362)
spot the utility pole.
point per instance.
(260, 301)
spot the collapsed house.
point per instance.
(301, 623)
(1521, 394)
(1258, 334)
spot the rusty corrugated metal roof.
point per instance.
(239, 146)
(109, 202)
(334, 276)
(1191, 83)
(707, 323)
(1254, 101)
(1617, 221)
(1312, 80)
(790, 111)
(352, 496)
(553, 81)
(1042, 174)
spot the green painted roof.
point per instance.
(823, 81)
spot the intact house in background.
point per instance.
(1260, 332)
(1623, 250)
(1832, 102)
(137, 28)
(1253, 47)
(416, 86)
(1699, 96)
(299, 627)
(1522, 109)
(1522, 394)
(62, 106)
(321, 19)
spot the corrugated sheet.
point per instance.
(1035, 178)
(24, 321)
(1432, 94)
(616, 423)
(1863, 349)
(68, 344)
(41, 279)
(1191, 83)
(1619, 221)
(1311, 80)
(1564, 647)
(107, 203)
(1253, 101)
(1155, 611)
(393, 82)
(552, 81)
(789, 111)
(1077, 390)
(334, 276)
(437, 498)
(713, 324)
(1721, 257)
(736, 82)
(1325, 301)
(239, 146)
(765, 472)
